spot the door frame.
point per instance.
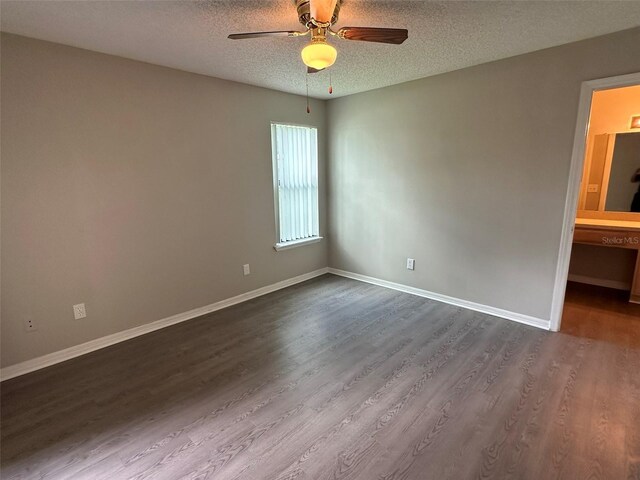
(573, 190)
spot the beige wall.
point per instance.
(466, 172)
(594, 170)
(137, 189)
(611, 110)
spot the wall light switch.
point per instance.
(411, 264)
(246, 270)
(592, 188)
(79, 311)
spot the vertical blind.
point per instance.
(296, 171)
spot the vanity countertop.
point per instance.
(601, 224)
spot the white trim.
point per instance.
(573, 190)
(478, 307)
(92, 345)
(600, 282)
(296, 243)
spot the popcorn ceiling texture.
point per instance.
(191, 36)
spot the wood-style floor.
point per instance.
(337, 379)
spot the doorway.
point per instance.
(589, 199)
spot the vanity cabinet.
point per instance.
(612, 234)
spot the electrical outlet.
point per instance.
(246, 270)
(411, 264)
(30, 325)
(79, 311)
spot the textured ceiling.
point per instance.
(191, 35)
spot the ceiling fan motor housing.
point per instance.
(305, 17)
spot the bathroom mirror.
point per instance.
(611, 179)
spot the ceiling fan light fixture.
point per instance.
(319, 54)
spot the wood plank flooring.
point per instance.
(337, 379)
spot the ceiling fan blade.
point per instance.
(313, 70)
(281, 33)
(322, 10)
(372, 34)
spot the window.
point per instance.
(295, 178)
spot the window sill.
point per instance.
(296, 243)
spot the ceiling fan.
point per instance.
(318, 16)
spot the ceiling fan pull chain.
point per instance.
(330, 84)
(307, 80)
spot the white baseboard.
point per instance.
(77, 350)
(478, 307)
(600, 282)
